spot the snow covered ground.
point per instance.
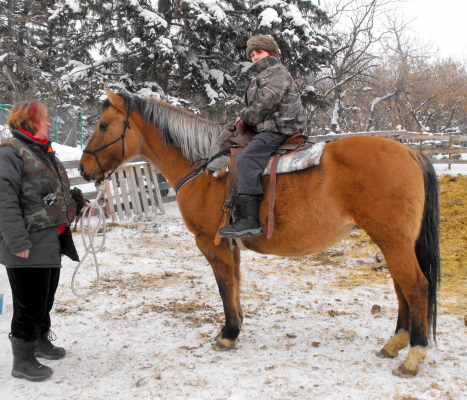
(309, 330)
(308, 333)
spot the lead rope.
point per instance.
(87, 231)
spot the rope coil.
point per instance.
(88, 235)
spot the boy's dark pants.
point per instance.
(253, 160)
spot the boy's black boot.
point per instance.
(246, 217)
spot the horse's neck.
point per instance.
(168, 160)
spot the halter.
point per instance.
(126, 125)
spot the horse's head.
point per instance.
(114, 139)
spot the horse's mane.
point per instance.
(195, 136)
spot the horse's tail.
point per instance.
(427, 245)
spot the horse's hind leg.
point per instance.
(225, 263)
(413, 286)
(401, 338)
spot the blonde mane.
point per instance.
(195, 136)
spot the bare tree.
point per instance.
(428, 93)
(354, 37)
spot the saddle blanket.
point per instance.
(297, 160)
(290, 162)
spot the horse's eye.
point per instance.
(103, 126)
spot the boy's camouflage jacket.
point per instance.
(273, 100)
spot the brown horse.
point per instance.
(382, 186)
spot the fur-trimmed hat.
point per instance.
(261, 42)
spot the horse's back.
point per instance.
(372, 182)
(359, 167)
(379, 153)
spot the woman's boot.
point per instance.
(25, 364)
(46, 349)
(246, 218)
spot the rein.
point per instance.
(200, 169)
(91, 236)
(126, 125)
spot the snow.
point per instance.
(295, 14)
(212, 94)
(443, 169)
(152, 18)
(148, 331)
(66, 153)
(166, 45)
(214, 10)
(80, 70)
(218, 76)
(290, 12)
(74, 5)
(268, 17)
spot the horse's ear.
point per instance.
(116, 100)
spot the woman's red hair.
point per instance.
(26, 115)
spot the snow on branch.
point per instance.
(269, 17)
(80, 70)
(205, 10)
(152, 18)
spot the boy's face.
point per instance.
(257, 55)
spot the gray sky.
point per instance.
(441, 22)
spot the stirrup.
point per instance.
(233, 234)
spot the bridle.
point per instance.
(126, 125)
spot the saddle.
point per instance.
(236, 142)
(243, 135)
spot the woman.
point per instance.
(274, 111)
(36, 211)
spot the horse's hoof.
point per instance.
(403, 372)
(227, 344)
(383, 353)
(409, 367)
(223, 344)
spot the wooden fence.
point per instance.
(135, 189)
(450, 146)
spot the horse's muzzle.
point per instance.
(81, 169)
(87, 177)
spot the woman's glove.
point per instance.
(230, 126)
(80, 200)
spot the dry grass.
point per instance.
(453, 198)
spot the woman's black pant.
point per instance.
(33, 292)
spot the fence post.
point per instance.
(56, 127)
(156, 191)
(450, 148)
(81, 128)
(109, 201)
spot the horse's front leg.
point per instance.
(225, 263)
